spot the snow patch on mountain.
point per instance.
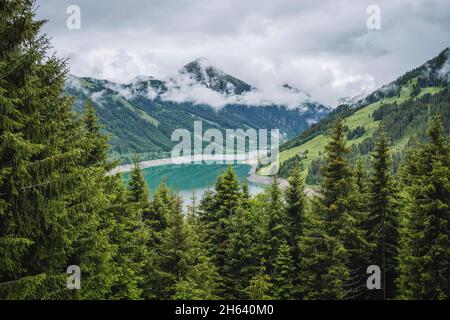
(444, 72)
(200, 83)
(184, 89)
(75, 83)
(353, 101)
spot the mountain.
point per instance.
(201, 71)
(141, 115)
(403, 106)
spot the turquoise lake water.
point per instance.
(185, 178)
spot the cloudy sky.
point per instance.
(321, 47)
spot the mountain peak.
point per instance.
(295, 90)
(202, 71)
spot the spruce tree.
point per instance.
(324, 271)
(161, 207)
(361, 213)
(95, 142)
(51, 200)
(241, 260)
(424, 255)
(226, 202)
(284, 275)
(259, 287)
(245, 196)
(276, 227)
(129, 236)
(361, 177)
(296, 206)
(201, 281)
(383, 217)
(138, 191)
(172, 260)
(334, 244)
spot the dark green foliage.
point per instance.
(259, 285)
(424, 254)
(202, 280)
(414, 115)
(183, 267)
(323, 248)
(242, 256)
(315, 174)
(51, 198)
(335, 243)
(356, 133)
(224, 203)
(383, 211)
(286, 166)
(129, 236)
(277, 233)
(323, 265)
(60, 205)
(296, 210)
(284, 275)
(296, 206)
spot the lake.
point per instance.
(187, 177)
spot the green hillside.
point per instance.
(423, 88)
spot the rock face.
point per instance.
(201, 71)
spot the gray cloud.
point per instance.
(320, 47)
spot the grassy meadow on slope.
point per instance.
(313, 148)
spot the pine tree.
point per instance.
(259, 285)
(241, 262)
(334, 244)
(276, 228)
(95, 142)
(324, 271)
(201, 281)
(245, 196)
(50, 200)
(130, 237)
(361, 213)
(173, 260)
(383, 216)
(138, 191)
(296, 207)
(424, 256)
(284, 276)
(192, 209)
(226, 202)
(161, 207)
(361, 177)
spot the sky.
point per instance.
(321, 47)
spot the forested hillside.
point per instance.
(403, 107)
(59, 207)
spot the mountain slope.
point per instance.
(141, 115)
(403, 106)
